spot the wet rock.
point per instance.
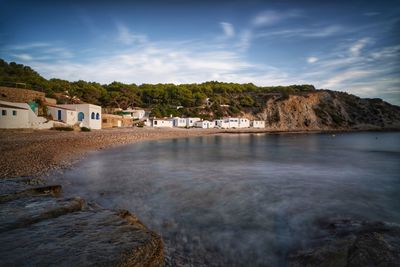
(39, 229)
(23, 212)
(352, 243)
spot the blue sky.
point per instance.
(351, 46)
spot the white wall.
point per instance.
(67, 116)
(138, 114)
(244, 123)
(10, 121)
(24, 118)
(163, 123)
(87, 110)
(179, 122)
(191, 121)
(258, 124)
(204, 124)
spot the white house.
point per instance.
(88, 115)
(204, 124)
(134, 113)
(64, 114)
(179, 122)
(191, 121)
(244, 123)
(231, 123)
(220, 123)
(258, 124)
(162, 123)
(20, 115)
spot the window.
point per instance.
(155, 122)
(92, 116)
(97, 116)
(14, 113)
(4, 112)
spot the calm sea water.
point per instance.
(248, 199)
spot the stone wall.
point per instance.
(20, 95)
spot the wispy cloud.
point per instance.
(244, 40)
(23, 57)
(270, 17)
(312, 60)
(316, 32)
(356, 48)
(348, 75)
(126, 37)
(371, 14)
(228, 29)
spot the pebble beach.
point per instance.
(38, 152)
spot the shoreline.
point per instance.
(38, 153)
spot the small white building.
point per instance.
(136, 114)
(204, 124)
(162, 123)
(20, 115)
(64, 114)
(191, 121)
(258, 124)
(179, 122)
(231, 123)
(12, 117)
(88, 115)
(244, 123)
(220, 123)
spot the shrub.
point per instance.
(85, 129)
(63, 128)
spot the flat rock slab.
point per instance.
(38, 229)
(22, 212)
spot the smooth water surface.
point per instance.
(248, 199)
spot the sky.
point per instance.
(351, 46)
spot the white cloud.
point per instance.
(348, 75)
(158, 63)
(245, 40)
(372, 13)
(356, 48)
(23, 57)
(128, 38)
(312, 60)
(386, 52)
(270, 17)
(324, 32)
(228, 29)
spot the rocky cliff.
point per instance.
(327, 110)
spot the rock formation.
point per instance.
(40, 228)
(348, 243)
(326, 110)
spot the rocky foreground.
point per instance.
(351, 243)
(38, 227)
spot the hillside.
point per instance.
(295, 107)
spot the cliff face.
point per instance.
(327, 110)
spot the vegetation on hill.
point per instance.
(215, 98)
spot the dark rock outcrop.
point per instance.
(350, 243)
(39, 229)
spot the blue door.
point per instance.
(81, 116)
(59, 115)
